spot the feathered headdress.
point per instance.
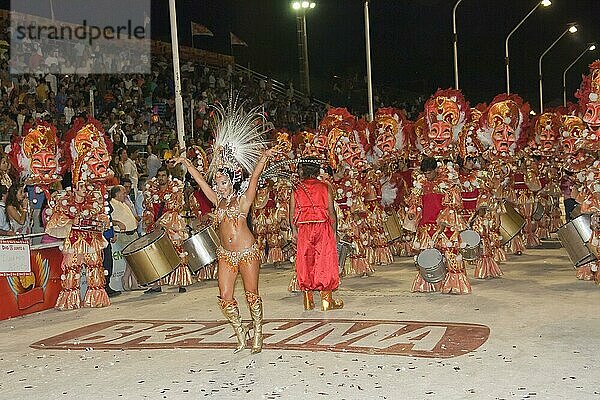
(239, 139)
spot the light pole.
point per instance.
(455, 40)
(544, 3)
(571, 29)
(590, 47)
(368, 54)
(302, 7)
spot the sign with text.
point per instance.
(15, 258)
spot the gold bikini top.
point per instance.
(231, 212)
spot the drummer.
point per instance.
(163, 199)
(434, 206)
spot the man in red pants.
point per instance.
(313, 222)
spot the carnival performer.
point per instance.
(237, 147)
(575, 162)
(434, 204)
(313, 229)
(348, 160)
(391, 131)
(435, 201)
(477, 202)
(589, 193)
(163, 201)
(78, 214)
(501, 130)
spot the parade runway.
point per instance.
(531, 334)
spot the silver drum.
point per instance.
(470, 245)
(431, 265)
(575, 236)
(201, 248)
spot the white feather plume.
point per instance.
(239, 134)
(389, 191)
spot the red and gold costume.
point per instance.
(347, 158)
(316, 261)
(501, 131)
(436, 204)
(162, 206)
(80, 212)
(589, 194)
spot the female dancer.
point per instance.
(238, 251)
(237, 148)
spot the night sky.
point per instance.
(411, 41)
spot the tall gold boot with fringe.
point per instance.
(329, 303)
(256, 312)
(309, 302)
(232, 313)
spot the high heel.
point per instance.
(309, 302)
(329, 303)
(256, 311)
(232, 313)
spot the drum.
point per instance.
(538, 211)
(575, 236)
(151, 257)
(60, 232)
(392, 227)
(511, 223)
(343, 249)
(470, 245)
(201, 248)
(431, 265)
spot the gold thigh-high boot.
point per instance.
(256, 311)
(232, 313)
(309, 302)
(329, 303)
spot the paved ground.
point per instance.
(543, 343)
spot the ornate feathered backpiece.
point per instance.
(239, 139)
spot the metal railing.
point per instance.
(278, 87)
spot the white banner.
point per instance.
(15, 258)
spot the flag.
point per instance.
(236, 40)
(198, 29)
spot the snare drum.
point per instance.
(343, 249)
(538, 211)
(511, 223)
(431, 265)
(201, 248)
(575, 236)
(470, 245)
(392, 227)
(151, 257)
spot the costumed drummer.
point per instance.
(163, 200)
(313, 220)
(237, 148)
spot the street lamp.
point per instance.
(590, 47)
(455, 39)
(544, 3)
(571, 29)
(302, 7)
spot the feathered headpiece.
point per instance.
(239, 139)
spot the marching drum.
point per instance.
(431, 265)
(343, 249)
(575, 236)
(201, 248)
(538, 211)
(392, 227)
(470, 245)
(511, 223)
(151, 257)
